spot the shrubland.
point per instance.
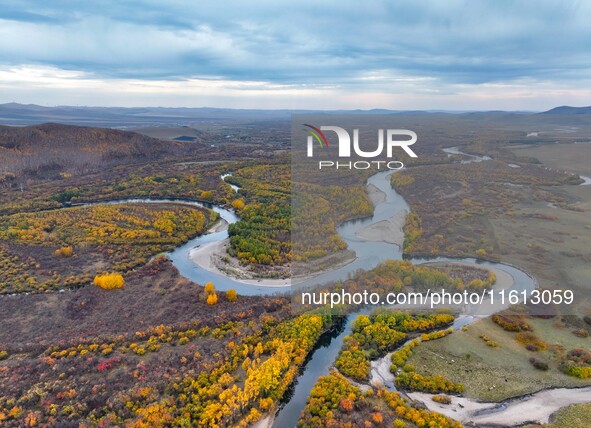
(335, 402)
(451, 204)
(375, 335)
(105, 359)
(89, 240)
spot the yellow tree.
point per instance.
(109, 281)
(231, 295)
(209, 288)
(238, 204)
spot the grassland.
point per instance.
(511, 208)
(572, 157)
(495, 373)
(553, 225)
(577, 416)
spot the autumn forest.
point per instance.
(98, 328)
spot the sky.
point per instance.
(394, 54)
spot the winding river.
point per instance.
(368, 255)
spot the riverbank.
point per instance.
(533, 408)
(212, 257)
(388, 231)
(375, 195)
(265, 421)
(218, 226)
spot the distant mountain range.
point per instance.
(569, 110)
(122, 117)
(138, 117)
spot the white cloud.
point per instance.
(52, 86)
(403, 54)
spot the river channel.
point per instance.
(368, 255)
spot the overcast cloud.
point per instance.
(458, 54)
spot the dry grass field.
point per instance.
(496, 373)
(572, 157)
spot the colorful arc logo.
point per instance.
(318, 135)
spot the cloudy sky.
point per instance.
(452, 54)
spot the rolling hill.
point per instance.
(45, 151)
(567, 110)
